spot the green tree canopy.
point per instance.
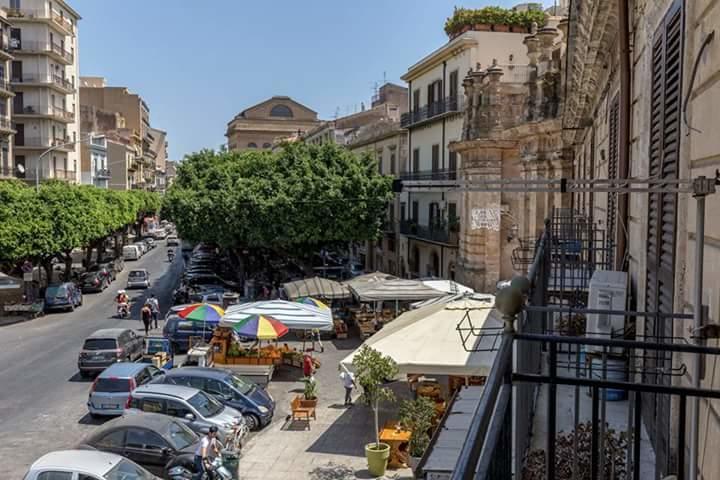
(301, 195)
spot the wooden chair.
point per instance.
(302, 412)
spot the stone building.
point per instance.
(261, 125)
(7, 161)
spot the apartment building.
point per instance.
(159, 147)
(94, 92)
(94, 162)
(430, 219)
(43, 39)
(124, 163)
(7, 162)
(262, 125)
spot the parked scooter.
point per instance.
(171, 254)
(217, 471)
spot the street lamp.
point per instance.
(88, 136)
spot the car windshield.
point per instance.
(240, 384)
(56, 291)
(137, 274)
(179, 435)
(100, 344)
(112, 385)
(127, 470)
(205, 405)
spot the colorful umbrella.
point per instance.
(202, 312)
(313, 302)
(260, 327)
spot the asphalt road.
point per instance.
(42, 397)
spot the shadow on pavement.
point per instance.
(346, 344)
(333, 471)
(287, 374)
(88, 420)
(77, 378)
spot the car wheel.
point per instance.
(252, 421)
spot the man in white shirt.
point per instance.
(154, 308)
(203, 452)
(348, 380)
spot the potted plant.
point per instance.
(416, 416)
(372, 370)
(309, 392)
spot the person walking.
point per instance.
(203, 452)
(348, 379)
(308, 365)
(146, 314)
(154, 308)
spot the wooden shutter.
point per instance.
(663, 162)
(435, 158)
(613, 119)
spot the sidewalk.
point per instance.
(333, 447)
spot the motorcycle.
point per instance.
(171, 255)
(217, 471)
(123, 310)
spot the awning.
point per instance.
(294, 315)
(316, 287)
(450, 298)
(368, 278)
(448, 286)
(426, 341)
(394, 290)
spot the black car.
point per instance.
(95, 281)
(256, 404)
(156, 442)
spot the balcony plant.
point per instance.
(372, 370)
(416, 416)
(492, 18)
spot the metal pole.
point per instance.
(697, 324)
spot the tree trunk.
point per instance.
(47, 266)
(68, 266)
(88, 256)
(377, 424)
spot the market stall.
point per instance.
(316, 287)
(294, 315)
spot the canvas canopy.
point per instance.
(394, 290)
(450, 287)
(367, 278)
(294, 315)
(316, 287)
(450, 298)
(426, 340)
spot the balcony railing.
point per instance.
(45, 79)
(5, 85)
(102, 173)
(436, 233)
(38, 142)
(62, 21)
(47, 110)
(432, 110)
(6, 171)
(56, 174)
(5, 123)
(425, 175)
(24, 13)
(43, 47)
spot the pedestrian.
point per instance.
(154, 308)
(203, 452)
(348, 379)
(146, 314)
(308, 366)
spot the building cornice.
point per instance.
(443, 53)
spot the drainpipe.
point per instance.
(624, 132)
(697, 324)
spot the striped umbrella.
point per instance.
(313, 302)
(260, 327)
(202, 312)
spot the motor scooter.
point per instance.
(123, 310)
(171, 255)
(217, 471)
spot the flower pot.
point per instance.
(501, 28)
(482, 27)
(414, 462)
(377, 458)
(308, 403)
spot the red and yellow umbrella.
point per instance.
(260, 327)
(313, 302)
(202, 312)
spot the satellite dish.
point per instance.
(21, 168)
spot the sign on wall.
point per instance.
(485, 218)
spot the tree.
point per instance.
(298, 199)
(416, 416)
(372, 371)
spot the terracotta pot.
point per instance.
(482, 27)
(501, 28)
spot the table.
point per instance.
(399, 442)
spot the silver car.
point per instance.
(86, 464)
(110, 393)
(138, 279)
(194, 407)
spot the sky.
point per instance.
(199, 63)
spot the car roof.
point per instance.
(123, 369)
(153, 421)
(199, 372)
(169, 390)
(90, 461)
(107, 333)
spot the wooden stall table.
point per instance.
(399, 441)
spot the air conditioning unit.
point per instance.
(608, 291)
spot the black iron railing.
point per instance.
(436, 233)
(431, 110)
(424, 175)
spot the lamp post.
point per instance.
(52, 149)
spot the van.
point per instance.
(111, 390)
(107, 346)
(178, 331)
(131, 252)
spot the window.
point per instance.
(55, 476)
(152, 405)
(145, 439)
(177, 409)
(281, 111)
(252, 145)
(142, 377)
(15, 4)
(114, 439)
(82, 476)
(452, 165)
(416, 160)
(267, 145)
(403, 214)
(415, 211)
(393, 167)
(452, 213)
(416, 100)
(433, 215)
(435, 158)
(453, 87)
(217, 388)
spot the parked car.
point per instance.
(179, 331)
(195, 408)
(62, 296)
(86, 465)
(154, 441)
(110, 393)
(160, 233)
(150, 242)
(107, 346)
(142, 246)
(117, 264)
(173, 240)
(138, 279)
(256, 404)
(132, 252)
(95, 282)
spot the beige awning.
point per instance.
(316, 287)
(399, 289)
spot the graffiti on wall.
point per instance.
(485, 218)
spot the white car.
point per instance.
(173, 240)
(139, 278)
(86, 465)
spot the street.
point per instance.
(42, 397)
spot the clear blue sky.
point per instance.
(198, 63)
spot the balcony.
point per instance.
(6, 172)
(429, 175)
(46, 111)
(102, 174)
(56, 174)
(5, 50)
(38, 143)
(432, 111)
(56, 82)
(6, 125)
(53, 19)
(5, 89)
(437, 233)
(53, 50)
